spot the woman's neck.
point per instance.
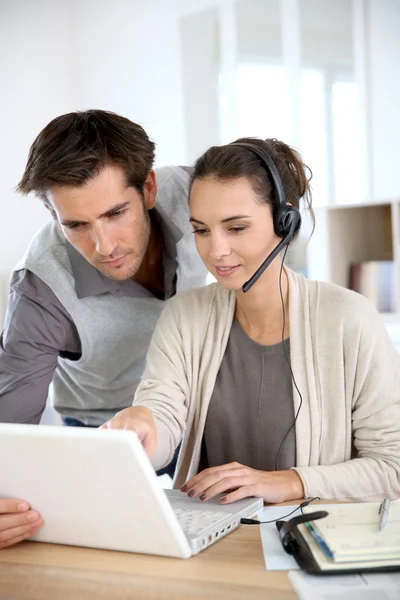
(259, 311)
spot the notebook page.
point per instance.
(351, 532)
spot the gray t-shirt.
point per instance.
(251, 409)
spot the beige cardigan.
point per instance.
(345, 366)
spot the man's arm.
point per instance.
(37, 330)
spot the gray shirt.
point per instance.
(38, 329)
(251, 408)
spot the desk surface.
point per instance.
(232, 568)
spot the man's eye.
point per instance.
(117, 213)
(75, 226)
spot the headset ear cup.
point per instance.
(288, 221)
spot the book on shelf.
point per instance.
(375, 281)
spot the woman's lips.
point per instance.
(226, 271)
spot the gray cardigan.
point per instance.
(348, 429)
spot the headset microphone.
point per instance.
(287, 218)
(246, 286)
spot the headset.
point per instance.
(287, 221)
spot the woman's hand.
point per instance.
(236, 481)
(140, 420)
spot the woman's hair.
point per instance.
(73, 148)
(228, 162)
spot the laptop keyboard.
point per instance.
(195, 520)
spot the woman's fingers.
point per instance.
(212, 474)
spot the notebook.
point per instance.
(351, 532)
(97, 488)
(348, 539)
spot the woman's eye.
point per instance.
(200, 231)
(237, 229)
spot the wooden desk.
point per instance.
(233, 569)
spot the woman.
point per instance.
(288, 390)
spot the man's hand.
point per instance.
(236, 481)
(140, 420)
(17, 521)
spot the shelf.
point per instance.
(361, 233)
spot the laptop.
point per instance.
(97, 488)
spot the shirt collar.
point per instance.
(88, 280)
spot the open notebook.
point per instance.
(349, 537)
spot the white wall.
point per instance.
(36, 85)
(384, 99)
(200, 55)
(127, 60)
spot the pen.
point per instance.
(384, 513)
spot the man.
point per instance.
(85, 298)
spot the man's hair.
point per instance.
(73, 148)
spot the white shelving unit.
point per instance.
(346, 234)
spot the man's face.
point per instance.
(106, 221)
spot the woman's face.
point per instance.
(234, 233)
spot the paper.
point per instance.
(372, 586)
(275, 557)
(165, 482)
